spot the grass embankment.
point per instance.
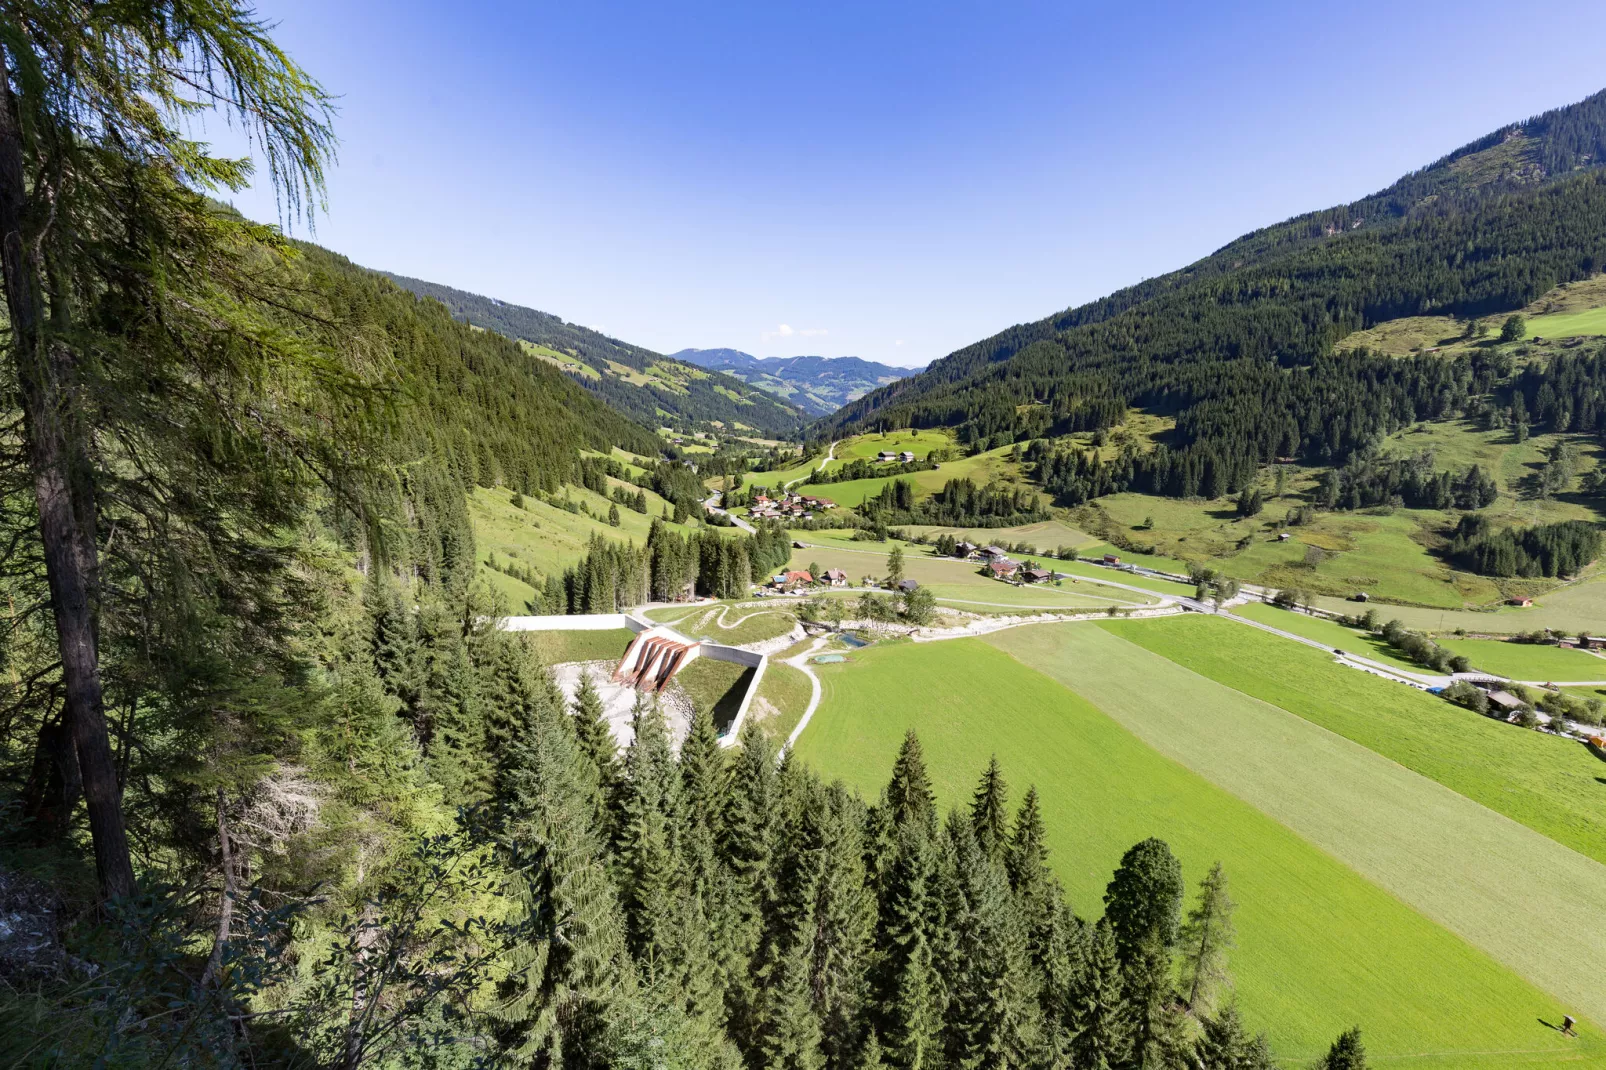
(715, 687)
(782, 697)
(1320, 948)
(555, 648)
(1506, 889)
(1539, 780)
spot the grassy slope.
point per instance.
(1534, 778)
(1526, 661)
(715, 686)
(1326, 631)
(952, 579)
(1320, 948)
(1573, 608)
(782, 697)
(982, 469)
(726, 622)
(1502, 887)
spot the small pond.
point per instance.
(829, 659)
(849, 639)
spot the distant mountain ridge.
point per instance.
(817, 385)
(647, 386)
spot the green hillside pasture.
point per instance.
(1576, 607)
(1331, 632)
(1319, 947)
(726, 622)
(1504, 888)
(1568, 324)
(1534, 778)
(549, 537)
(555, 648)
(919, 443)
(981, 469)
(1528, 661)
(1099, 572)
(782, 697)
(951, 578)
(1045, 536)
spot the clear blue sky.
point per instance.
(887, 180)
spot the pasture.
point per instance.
(1572, 608)
(1351, 640)
(982, 469)
(1503, 888)
(732, 623)
(1320, 947)
(1527, 661)
(1568, 324)
(1542, 781)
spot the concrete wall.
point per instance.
(578, 622)
(753, 660)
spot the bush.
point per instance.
(1464, 694)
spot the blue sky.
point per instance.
(887, 180)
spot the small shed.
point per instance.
(1504, 702)
(908, 585)
(1360, 596)
(1524, 602)
(1112, 559)
(1037, 575)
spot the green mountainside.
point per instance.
(1484, 230)
(649, 387)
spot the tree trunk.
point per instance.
(66, 526)
(225, 911)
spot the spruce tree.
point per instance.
(1027, 860)
(647, 847)
(989, 815)
(1097, 1012)
(1225, 1044)
(909, 992)
(908, 795)
(787, 1028)
(746, 843)
(595, 735)
(1347, 1052)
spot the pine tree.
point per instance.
(1347, 1052)
(908, 795)
(595, 735)
(989, 813)
(909, 993)
(1097, 1018)
(746, 844)
(647, 847)
(1144, 899)
(1206, 936)
(1225, 1044)
(575, 963)
(786, 1026)
(1027, 860)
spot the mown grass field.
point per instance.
(1568, 324)
(1527, 661)
(1045, 536)
(1320, 948)
(1572, 608)
(1539, 780)
(555, 648)
(1503, 888)
(1326, 631)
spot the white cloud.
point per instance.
(899, 342)
(786, 330)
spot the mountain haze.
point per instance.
(817, 385)
(640, 383)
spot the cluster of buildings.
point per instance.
(999, 564)
(787, 504)
(886, 456)
(799, 579)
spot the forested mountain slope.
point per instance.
(1484, 230)
(817, 385)
(647, 386)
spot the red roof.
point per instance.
(801, 576)
(1003, 566)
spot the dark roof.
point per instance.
(908, 585)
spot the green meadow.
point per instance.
(1320, 948)
(1527, 661)
(1505, 889)
(1549, 784)
(1323, 630)
(727, 622)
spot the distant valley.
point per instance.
(817, 385)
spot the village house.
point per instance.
(965, 549)
(1003, 568)
(993, 553)
(908, 585)
(836, 577)
(885, 456)
(906, 457)
(1036, 575)
(792, 580)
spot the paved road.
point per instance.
(708, 504)
(830, 455)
